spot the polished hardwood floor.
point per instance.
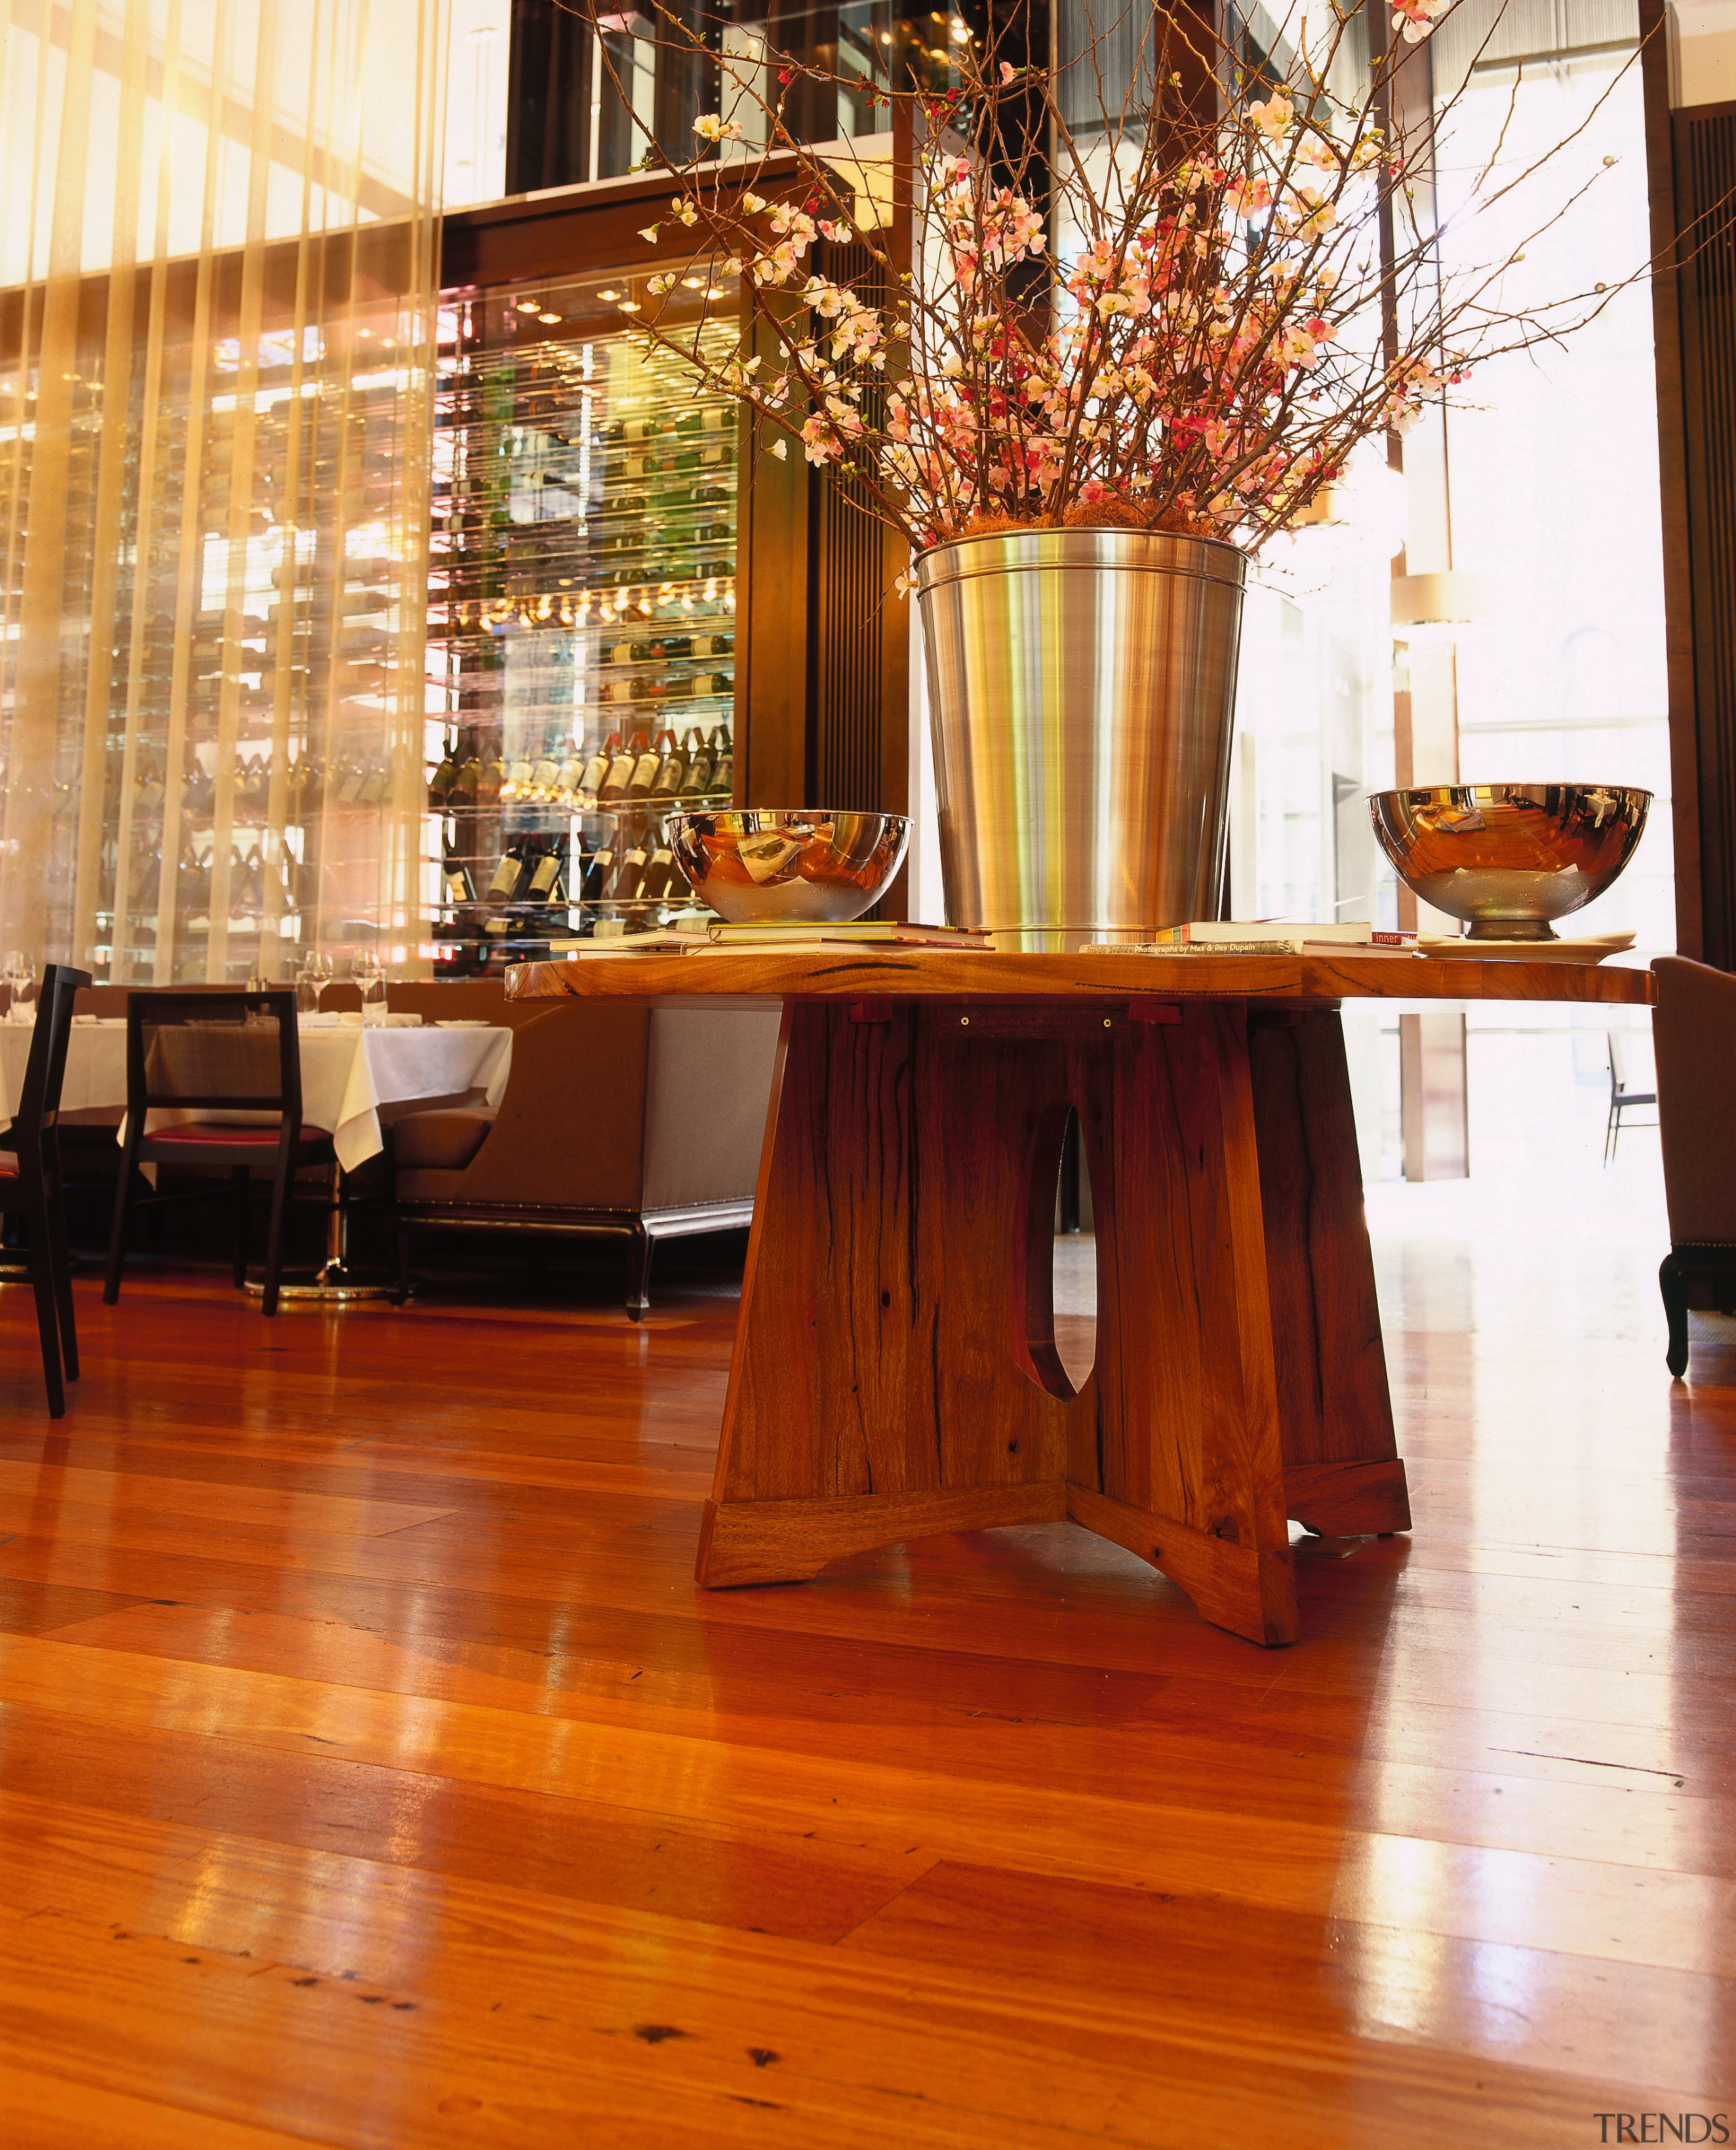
(372, 1774)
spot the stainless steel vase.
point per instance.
(1081, 690)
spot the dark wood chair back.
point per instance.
(38, 1111)
(213, 1052)
(34, 1189)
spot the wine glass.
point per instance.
(311, 981)
(369, 976)
(20, 974)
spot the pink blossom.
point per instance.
(819, 443)
(1414, 18)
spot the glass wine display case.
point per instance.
(582, 616)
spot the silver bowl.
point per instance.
(1508, 858)
(799, 865)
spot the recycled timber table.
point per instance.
(895, 1374)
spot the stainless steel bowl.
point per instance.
(761, 866)
(1508, 858)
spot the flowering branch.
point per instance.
(1191, 334)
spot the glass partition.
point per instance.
(581, 633)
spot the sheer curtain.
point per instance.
(219, 259)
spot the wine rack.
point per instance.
(582, 629)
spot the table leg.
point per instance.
(334, 1281)
(894, 1372)
(1341, 1470)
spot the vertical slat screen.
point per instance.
(219, 246)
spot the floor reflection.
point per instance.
(1076, 1303)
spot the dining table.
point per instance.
(356, 1078)
(895, 1373)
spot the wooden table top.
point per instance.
(846, 973)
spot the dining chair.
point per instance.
(197, 1055)
(1630, 1065)
(1693, 1024)
(30, 1178)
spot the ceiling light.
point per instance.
(627, 306)
(959, 33)
(528, 306)
(714, 290)
(690, 283)
(548, 317)
(608, 294)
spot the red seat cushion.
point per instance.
(217, 1132)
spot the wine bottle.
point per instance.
(590, 783)
(545, 777)
(629, 874)
(143, 897)
(545, 881)
(459, 887)
(517, 782)
(723, 776)
(566, 778)
(193, 883)
(253, 801)
(673, 770)
(612, 790)
(468, 785)
(697, 782)
(440, 782)
(659, 870)
(646, 766)
(599, 867)
(507, 875)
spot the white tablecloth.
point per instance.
(348, 1074)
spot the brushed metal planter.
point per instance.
(1081, 688)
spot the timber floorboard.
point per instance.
(372, 1773)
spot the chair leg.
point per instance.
(1673, 1284)
(241, 1185)
(401, 1241)
(118, 1235)
(63, 1282)
(42, 1282)
(640, 1247)
(274, 1233)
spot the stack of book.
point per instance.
(796, 937)
(1263, 936)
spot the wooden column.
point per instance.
(1701, 494)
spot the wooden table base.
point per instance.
(895, 1374)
